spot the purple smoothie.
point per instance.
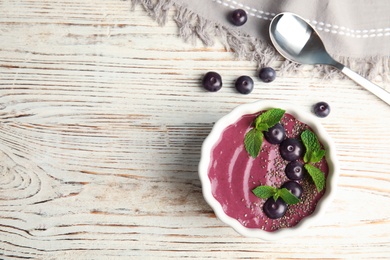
(234, 174)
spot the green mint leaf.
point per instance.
(269, 119)
(313, 147)
(317, 156)
(287, 196)
(264, 192)
(276, 196)
(253, 141)
(254, 138)
(262, 127)
(317, 175)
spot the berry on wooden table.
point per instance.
(321, 109)
(212, 81)
(267, 74)
(244, 84)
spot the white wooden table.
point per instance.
(102, 117)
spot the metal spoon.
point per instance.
(297, 41)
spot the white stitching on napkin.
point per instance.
(320, 26)
(349, 32)
(251, 11)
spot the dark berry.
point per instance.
(275, 134)
(267, 74)
(294, 187)
(295, 170)
(275, 209)
(244, 84)
(212, 81)
(321, 109)
(291, 149)
(238, 17)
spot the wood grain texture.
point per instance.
(101, 122)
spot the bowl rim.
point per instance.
(301, 115)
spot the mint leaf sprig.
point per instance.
(265, 192)
(313, 154)
(254, 138)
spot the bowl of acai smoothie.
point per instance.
(268, 170)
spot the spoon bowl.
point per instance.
(298, 41)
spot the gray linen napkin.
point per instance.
(355, 32)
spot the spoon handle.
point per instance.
(375, 89)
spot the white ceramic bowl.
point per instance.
(232, 117)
